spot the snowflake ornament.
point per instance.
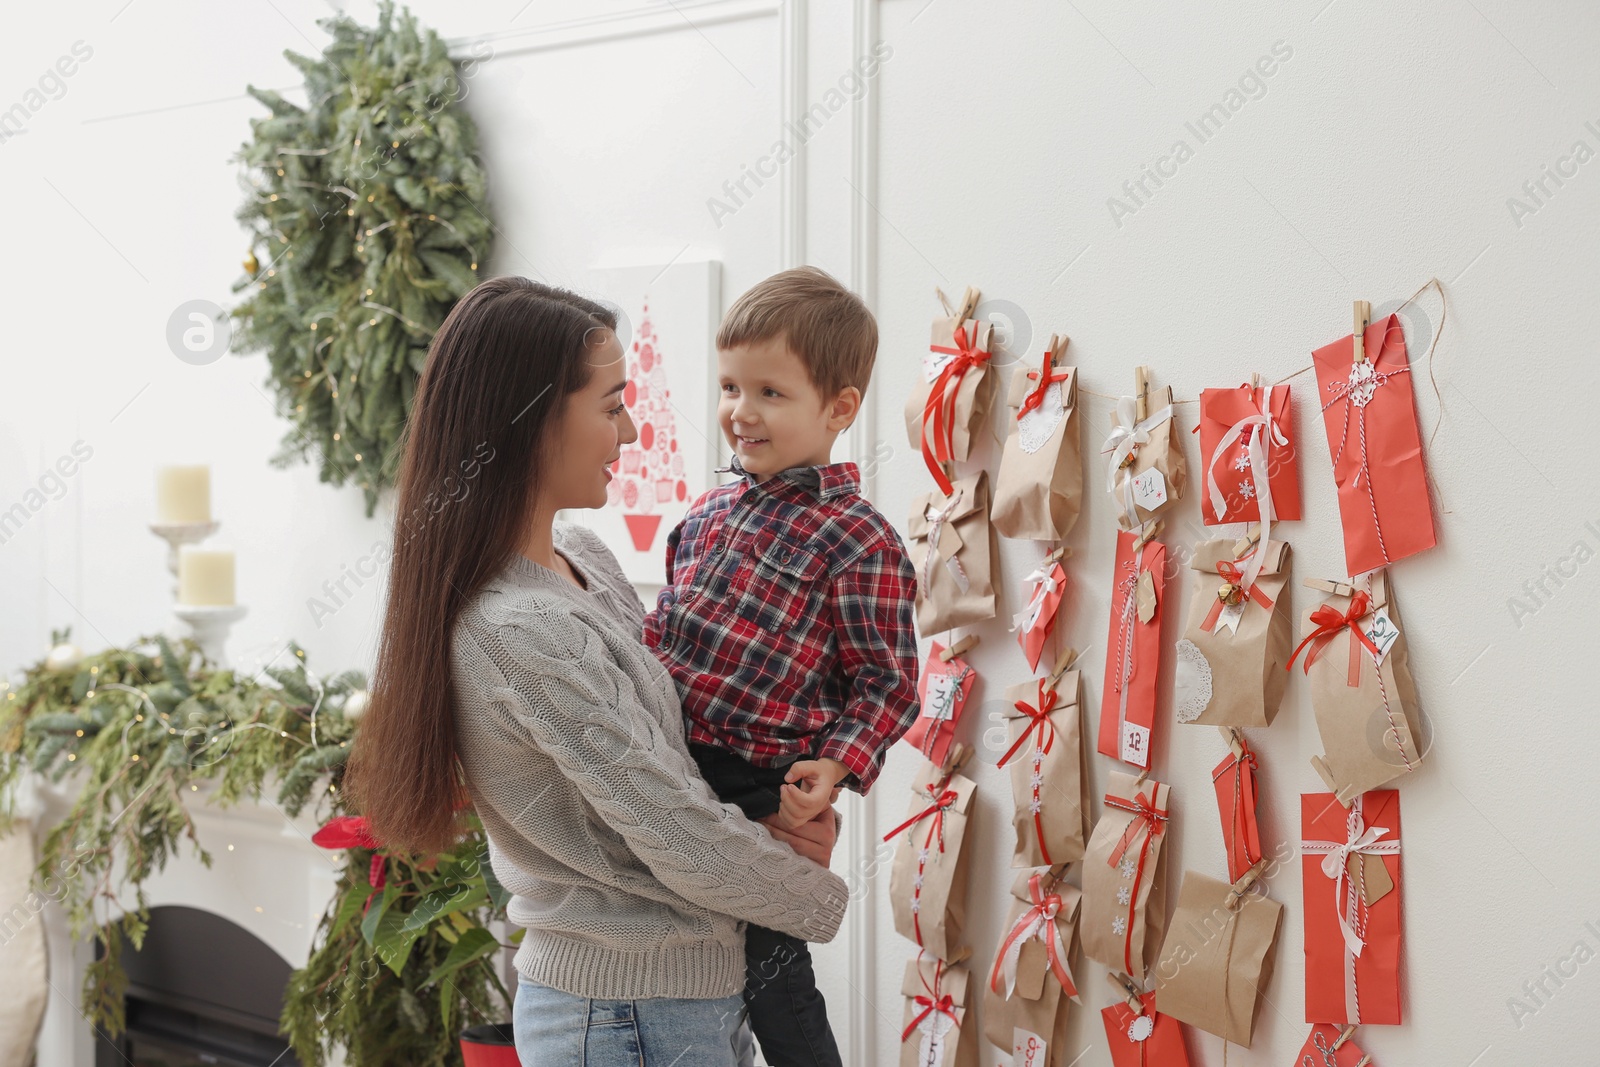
(1247, 489)
(1243, 462)
(1124, 896)
(922, 856)
(1119, 925)
(1128, 867)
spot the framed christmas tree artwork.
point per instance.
(668, 326)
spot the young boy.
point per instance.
(786, 620)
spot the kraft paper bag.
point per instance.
(1031, 1021)
(1124, 893)
(1247, 444)
(1366, 708)
(937, 1029)
(1039, 489)
(943, 689)
(1145, 468)
(1230, 659)
(928, 880)
(1145, 1038)
(950, 402)
(1045, 757)
(952, 547)
(1350, 880)
(1218, 956)
(1371, 419)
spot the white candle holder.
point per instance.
(209, 624)
(178, 534)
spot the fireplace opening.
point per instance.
(202, 992)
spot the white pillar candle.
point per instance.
(205, 576)
(183, 494)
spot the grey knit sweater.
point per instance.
(631, 879)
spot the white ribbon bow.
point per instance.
(1261, 427)
(1128, 433)
(1362, 840)
(937, 518)
(1045, 587)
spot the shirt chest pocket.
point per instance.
(784, 588)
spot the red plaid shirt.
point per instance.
(786, 621)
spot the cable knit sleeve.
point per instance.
(583, 709)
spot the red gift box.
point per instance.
(1133, 652)
(1247, 443)
(1033, 624)
(1371, 419)
(950, 684)
(1235, 782)
(1352, 942)
(1324, 1049)
(1146, 1039)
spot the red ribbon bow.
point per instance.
(1330, 620)
(1046, 377)
(1234, 574)
(939, 416)
(944, 1005)
(1146, 817)
(936, 809)
(1041, 724)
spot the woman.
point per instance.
(511, 671)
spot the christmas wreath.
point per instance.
(367, 221)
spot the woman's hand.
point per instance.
(814, 840)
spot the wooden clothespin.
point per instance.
(1059, 553)
(1063, 662)
(954, 759)
(1235, 739)
(1141, 392)
(1144, 775)
(958, 648)
(1363, 317)
(969, 304)
(1328, 585)
(1239, 888)
(1345, 1033)
(1251, 536)
(1148, 534)
(1127, 990)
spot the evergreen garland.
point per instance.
(143, 731)
(366, 214)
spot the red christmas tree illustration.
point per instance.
(650, 470)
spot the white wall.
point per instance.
(1382, 153)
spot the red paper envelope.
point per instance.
(1362, 849)
(1322, 1049)
(1033, 624)
(1371, 421)
(1148, 1039)
(944, 689)
(1245, 445)
(1235, 782)
(1133, 652)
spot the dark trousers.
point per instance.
(787, 1012)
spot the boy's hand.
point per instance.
(809, 788)
(814, 840)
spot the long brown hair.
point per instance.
(497, 377)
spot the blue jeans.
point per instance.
(556, 1029)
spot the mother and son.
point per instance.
(657, 788)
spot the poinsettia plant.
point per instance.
(406, 954)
